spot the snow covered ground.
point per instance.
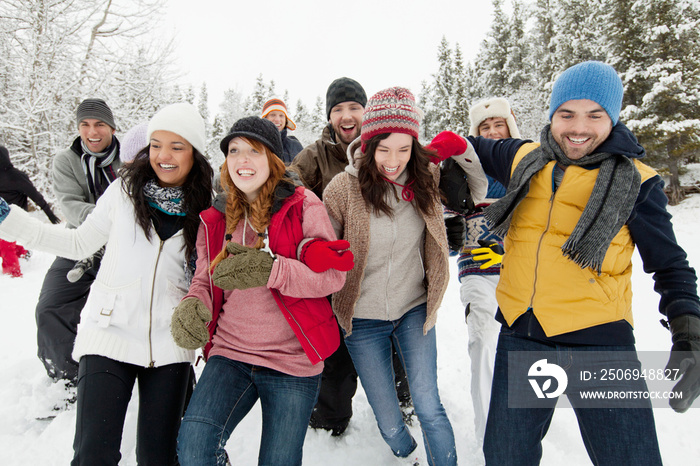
(27, 392)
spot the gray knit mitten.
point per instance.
(189, 324)
(82, 266)
(244, 268)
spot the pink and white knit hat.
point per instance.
(392, 110)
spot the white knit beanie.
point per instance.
(182, 119)
(133, 141)
(492, 108)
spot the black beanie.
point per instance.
(257, 128)
(97, 109)
(344, 90)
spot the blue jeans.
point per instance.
(226, 392)
(369, 345)
(612, 436)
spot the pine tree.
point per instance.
(203, 107)
(304, 132)
(318, 117)
(257, 99)
(625, 36)
(666, 122)
(442, 91)
(459, 119)
(425, 103)
(493, 55)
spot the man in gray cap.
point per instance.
(80, 174)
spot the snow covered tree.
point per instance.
(424, 100)
(667, 119)
(257, 99)
(53, 55)
(303, 120)
(442, 97)
(231, 108)
(318, 117)
(459, 119)
(493, 55)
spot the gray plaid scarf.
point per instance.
(610, 205)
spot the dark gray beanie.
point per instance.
(344, 90)
(257, 128)
(97, 109)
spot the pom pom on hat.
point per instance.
(391, 110)
(182, 119)
(278, 105)
(497, 107)
(97, 109)
(257, 128)
(133, 141)
(592, 80)
(344, 90)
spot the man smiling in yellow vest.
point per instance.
(576, 206)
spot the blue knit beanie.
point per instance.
(592, 80)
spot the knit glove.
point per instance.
(244, 268)
(4, 209)
(189, 324)
(445, 145)
(456, 230)
(82, 266)
(490, 253)
(685, 360)
(320, 255)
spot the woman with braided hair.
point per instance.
(263, 273)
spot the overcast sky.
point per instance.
(306, 44)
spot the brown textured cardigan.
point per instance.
(346, 206)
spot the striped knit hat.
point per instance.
(392, 110)
(278, 105)
(95, 109)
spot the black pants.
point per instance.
(104, 391)
(339, 383)
(57, 318)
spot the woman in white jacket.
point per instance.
(148, 222)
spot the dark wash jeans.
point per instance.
(226, 392)
(612, 436)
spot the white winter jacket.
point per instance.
(127, 315)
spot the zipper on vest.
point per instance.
(280, 300)
(150, 308)
(539, 242)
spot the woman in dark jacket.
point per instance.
(15, 188)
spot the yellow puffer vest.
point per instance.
(535, 274)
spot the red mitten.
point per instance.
(320, 255)
(445, 145)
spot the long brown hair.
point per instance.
(237, 204)
(374, 186)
